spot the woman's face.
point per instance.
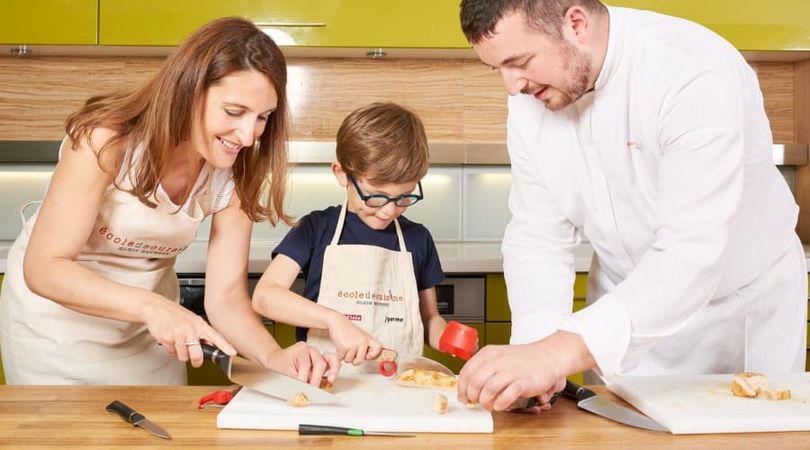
(234, 113)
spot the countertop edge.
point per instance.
(456, 257)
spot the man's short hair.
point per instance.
(479, 17)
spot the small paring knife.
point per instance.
(137, 419)
(311, 430)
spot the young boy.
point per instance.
(370, 272)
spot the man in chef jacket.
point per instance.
(646, 134)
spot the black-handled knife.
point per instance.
(137, 419)
(577, 392)
(588, 400)
(265, 380)
(218, 357)
(308, 429)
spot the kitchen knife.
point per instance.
(137, 419)
(423, 363)
(589, 401)
(264, 380)
(307, 429)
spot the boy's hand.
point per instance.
(352, 344)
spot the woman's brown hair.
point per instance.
(163, 113)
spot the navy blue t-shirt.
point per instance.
(306, 245)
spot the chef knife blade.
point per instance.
(423, 363)
(264, 380)
(589, 401)
(137, 419)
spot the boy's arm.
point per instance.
(273, 299)
(434, 323)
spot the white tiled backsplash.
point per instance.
(462, 203)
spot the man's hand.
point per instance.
(498, 375)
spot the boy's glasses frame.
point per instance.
(379, 200)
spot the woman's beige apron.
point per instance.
(43, 342)
(375, 288)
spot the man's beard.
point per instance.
(578, 66)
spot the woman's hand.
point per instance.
(179, 331)
(352, 344)
(305, 363)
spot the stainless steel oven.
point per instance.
(461, 298)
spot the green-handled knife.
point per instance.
(308, 429)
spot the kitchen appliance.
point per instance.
(688, 404)
(367, 401)
(460, 298)
(264, 380)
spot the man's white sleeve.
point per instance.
(538, 247)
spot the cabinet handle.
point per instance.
(289, 24)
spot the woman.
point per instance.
(91, 294)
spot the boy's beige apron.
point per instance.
(376, 289)
(43, 342)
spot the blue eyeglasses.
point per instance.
(379, 200)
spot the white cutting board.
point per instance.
(704, 403)
(368, 401)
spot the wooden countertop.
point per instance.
(74, 416)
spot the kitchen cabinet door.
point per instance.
(49, 22)
(300, 23)
(747, 24)
(498, 303)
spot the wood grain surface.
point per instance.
(459, 100)
(74, 417)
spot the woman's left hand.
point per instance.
(306, 363)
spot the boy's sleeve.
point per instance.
(429, 273)
(299, 242)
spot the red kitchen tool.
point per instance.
(388, 362)
(459, 340)
(218, 398)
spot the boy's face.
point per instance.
(375, 218)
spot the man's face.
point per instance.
(532, 62)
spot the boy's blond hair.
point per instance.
(383, 142)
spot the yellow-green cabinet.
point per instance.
(49, 22)
(747, 24)
(303, 23)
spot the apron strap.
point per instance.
(399, 236)
(24, 207)
(342, 219)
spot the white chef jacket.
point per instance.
(666, 167)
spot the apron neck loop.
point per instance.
(342, 220)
